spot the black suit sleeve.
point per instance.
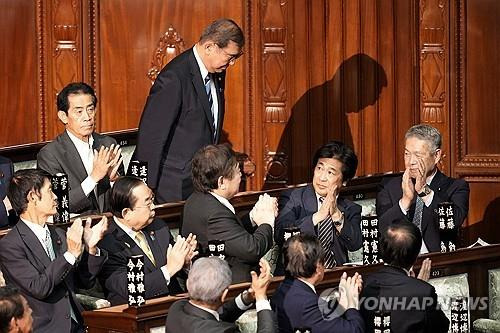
(289, 216)
(350, 235)
(436, 320)
(157, 122)
(241, 244)
(78, 201)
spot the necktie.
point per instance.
(210, 99)
(417, 217)
(143, 244)
(48, 245)
(325, 235)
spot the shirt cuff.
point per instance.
(88, 185)
(166, 274)
(97, 252)
(240, 304)
(69, 258)
(428, 199)
(262, 304)
(251, 218)
(402, 209)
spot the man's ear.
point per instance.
(13, 327)
(220, 183)
(224, 295)
(63, 117)
(438, 156)
(125, 212)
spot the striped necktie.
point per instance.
(48, 245)
(325, 235)
(208, 90)
(417, 217)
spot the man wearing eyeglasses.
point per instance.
(415, 196)
(185, 109)
(90, 160)
(135, 231)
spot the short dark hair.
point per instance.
(341, 152)
(221, 32)
(74, 88)
(121, 194)
(400, 244)
(22, 182)
(211, 162)
(11, 306)
(302, 254)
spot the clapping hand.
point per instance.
(92, 235)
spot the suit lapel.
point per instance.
(158, 254)
(310, 200)
(57, 243)
(200, 90)
(33, 243)
(70, 153)
(219, 88)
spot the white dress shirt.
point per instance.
(204, 73)
(223, 201)
(86, 153)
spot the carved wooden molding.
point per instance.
(274, 85)
(169, 46)
(463, 158)
(40, 33)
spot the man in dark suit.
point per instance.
(411, 302)
(90, 160)
(134, 231)
(15, 312)
(209, 215)
(207, 284)
(7, 215)
(296, 302)
(44, 262)
(337, 221)
(185, 110)
(415, 196)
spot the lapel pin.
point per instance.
(152, 235)
(127, 244)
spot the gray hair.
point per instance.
(427, 133)
(207, 280)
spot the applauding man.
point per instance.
(296, 301)
(45, 263)
(208, 284)
(209, 215)
(415, 196)
(317, 209)
(90, 160)
(135, 231)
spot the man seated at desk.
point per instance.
(209, 215)
(411, 302)
(317, 209)
(415, 196)
(47, 263)
(135, 231)
(90, 160)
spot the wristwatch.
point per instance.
(426, 191)
(340, 221)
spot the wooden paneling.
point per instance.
(350, 71)
(359, 71)
(19, 95)
(475, 100)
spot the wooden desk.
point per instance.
(476, 262)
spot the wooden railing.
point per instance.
(475, 262)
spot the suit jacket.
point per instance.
(47, 285)
(296, 306)
(61, 155)
(175, 123)
(296, 208)
(120, 246)
(392, 284)
(208, 219)
(445, 189)
(6, 170)
(186, 318)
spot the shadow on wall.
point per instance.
(357, 83)
(487, 228)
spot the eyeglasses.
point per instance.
(150, 206)
(231, 58)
